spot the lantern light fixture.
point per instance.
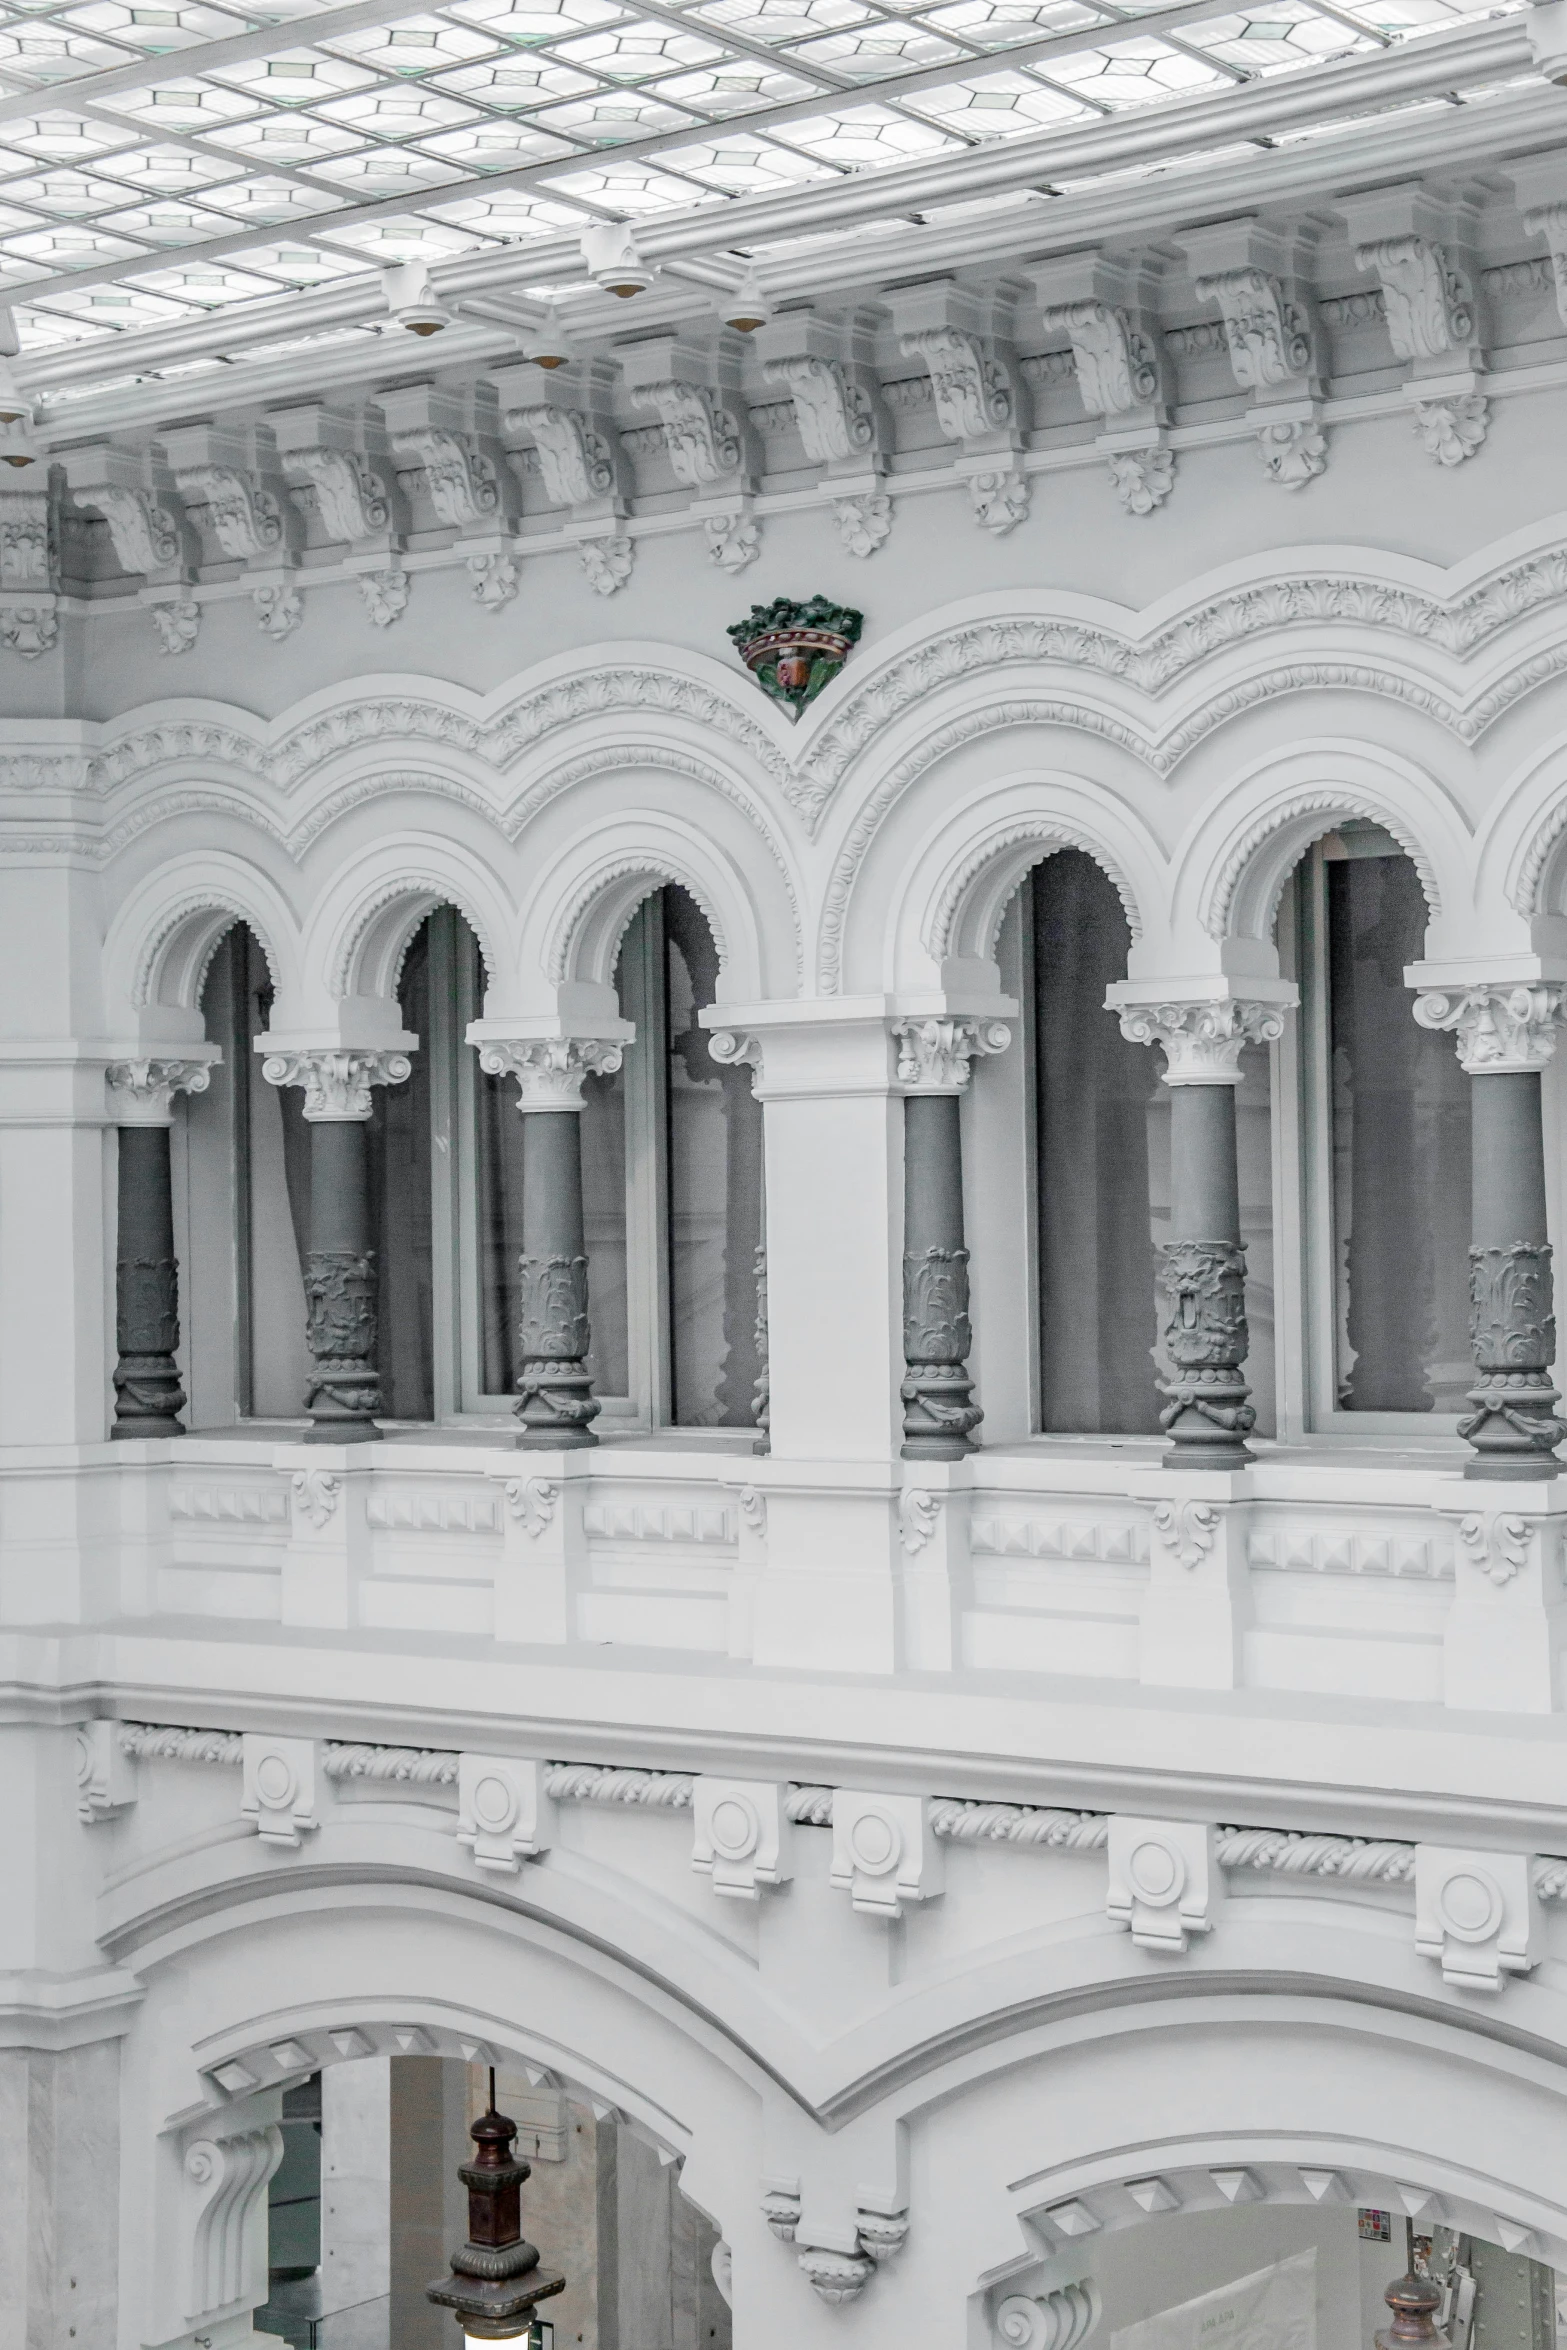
(497, 2278)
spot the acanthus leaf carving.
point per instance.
(834, 415)
(1429, 304)
(733, 540)
(336, 1079)
(178, 622)
(279, 609)
(1265, 334)
(549, 1069)
(145, 535)
(460, 481)
(577, 462)
(1116, 365)
(1499, 1029)
(700, 435)
(385, 594)
(973, 399)
(495, 579)
(532, 1501)
(935, 1052)
(243, 516)
(352, 501)
(1000, 498)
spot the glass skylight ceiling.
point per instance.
(161, 163)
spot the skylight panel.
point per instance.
(613, 116)
(781, 22)
(54, 54)
(634, 52)
(995, 24)
(302, 265)
(390, 110)
(170, 170)
(1268, 38)
(418, 45)
(165, 223)
(43, 330)
(384, 242)
(871, 51)
(120, 307)
(288, 138)
(499, 146)
(40, 252)
(517, 82)
(209, 285)
(742, 166)
(524, 22)
(386, 171)
(736, 89)
(298, 77)
(66, 195)
(257, 202)
(998, 106)
(62, 138)
(1134, 73)
(865, 136)
(506, 212)
(156, 30)
(631, 188)
(193, 106)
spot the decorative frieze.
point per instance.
(434, 1513)
(1309, 1551)
(1475, 1913)
(637, 1521)
(1164, 1881)
(1105, 1543)
(741, 1836)
(607, 1783)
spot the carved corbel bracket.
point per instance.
(138, 502)
(230, 475)
(469, 490)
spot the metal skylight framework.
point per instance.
(164, 165)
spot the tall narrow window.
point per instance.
(249, 1166)
(714, 1128)
(1398, 1117)
(1103, 1158)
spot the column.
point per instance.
(1505, 1035)
(148, 1398)
(1202, 1269)
(341, 1328)
(555, 1388)
(939, 1415)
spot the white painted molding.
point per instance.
(1164, 1882)
(504, 1812)
(742, 1836)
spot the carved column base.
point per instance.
(343, 1392)
(557, 1404)
(1513, 1427)
(1208, 1421)
(148, 1397)
(939, 1417)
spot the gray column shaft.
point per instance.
(148, 1397)
(1203, 1278)
(555, 1387)
(1513, 1427)
(344, 1391)
(938, 1413)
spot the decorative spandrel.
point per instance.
(793, 650)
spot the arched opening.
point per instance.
(1098, 1119)
(1385, 1142)
(366, 2208)
(672, 1198)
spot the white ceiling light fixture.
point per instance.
(609, 251)
(547, 346)
(747, 307)
(412, 302)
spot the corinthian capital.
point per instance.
(1203, 1041)
(141, 1093)
(549, 1069)
(934, 1054)
(336, 1080)
(1500, 1030)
